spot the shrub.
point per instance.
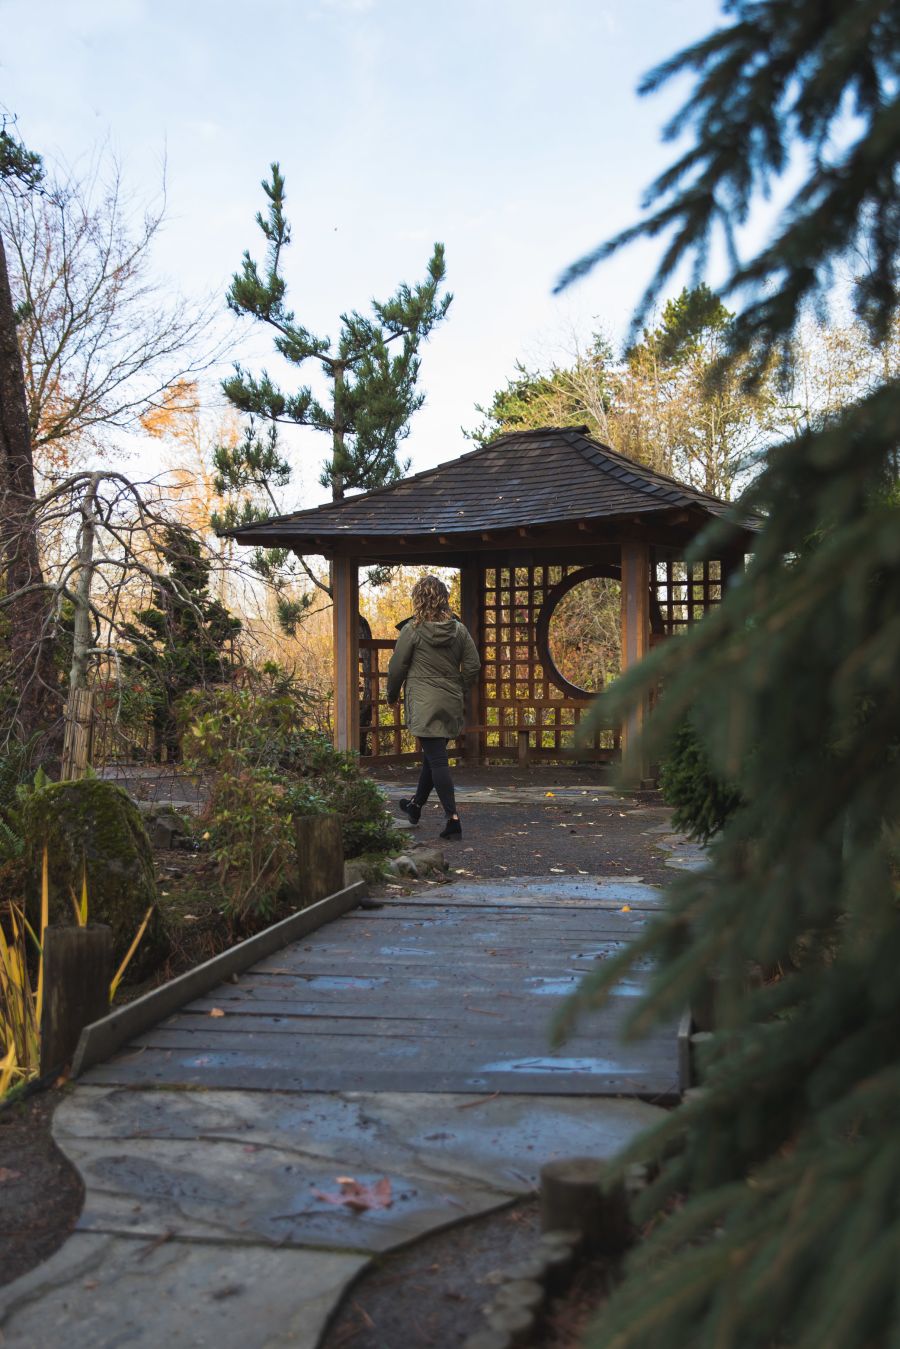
(93, 831)
(703, 802)
(13, 774)
(264, 769)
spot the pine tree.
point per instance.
(181, 640)
(373, 367)
(776, 1208)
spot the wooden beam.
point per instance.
(470, 581)
(635, 645)
(345, 593)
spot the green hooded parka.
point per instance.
(438, 661)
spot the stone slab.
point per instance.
(101, 1291)
(496, 1143)
(270, 1194)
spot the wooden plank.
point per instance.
(447, 1016)
(233, 1071)
(104, 1037)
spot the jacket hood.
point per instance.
(439, 634)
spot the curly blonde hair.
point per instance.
(431, 601)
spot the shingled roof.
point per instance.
(555, 475)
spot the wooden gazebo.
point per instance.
(524, 519)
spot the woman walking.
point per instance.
(436, 658)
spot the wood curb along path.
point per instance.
(405, 1049)
(102, 1038)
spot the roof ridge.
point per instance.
(643, 470)
(385, 487)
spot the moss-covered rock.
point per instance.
(93, 827)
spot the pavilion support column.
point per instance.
(635, 645)
(470, 607)
(345, 595)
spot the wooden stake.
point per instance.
(78, 969)
(573, 1199)
(320, 857)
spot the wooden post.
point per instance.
(732, 565)
(470, 606)
(320, 857)
(345, 587)
(574, 1199)
(524, 755)
(635, 645)
(78, 736)
(78, 970)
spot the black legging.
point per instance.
(436, 773)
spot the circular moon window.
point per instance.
(583, 634)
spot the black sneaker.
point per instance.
(411, 809)
(452, 829)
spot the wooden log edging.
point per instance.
(102, 1038)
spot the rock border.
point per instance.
(514, 1313)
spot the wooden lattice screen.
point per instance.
(685, 591)
(517, 693)
(518, 697)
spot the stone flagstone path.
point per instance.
(407, 1046)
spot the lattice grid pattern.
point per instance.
(685, 591)
(517, 694)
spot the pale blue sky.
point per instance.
(510, 129)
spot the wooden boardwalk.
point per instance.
(451, 991)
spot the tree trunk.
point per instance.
(82, 634)
(29, 613)
(337, 437)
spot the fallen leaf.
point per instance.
(481, 1100)
(358, 1197)
(217, 1011)
(7, 1174)
(626, 908)
(549, 793)
(367, 1320)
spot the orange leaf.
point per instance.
(217, 1011)
(357, 1196)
